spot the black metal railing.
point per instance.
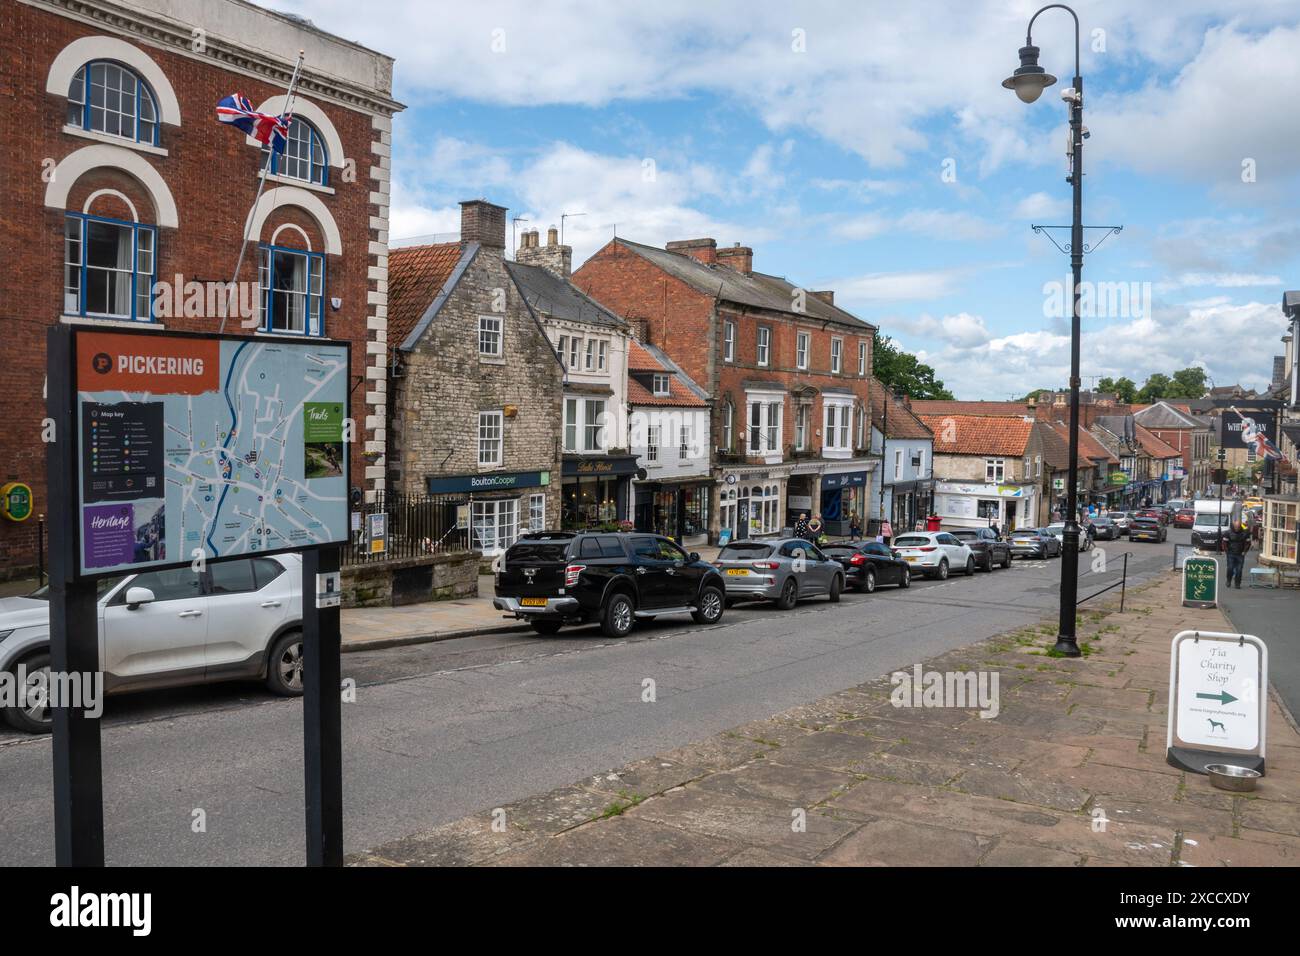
(418, 525)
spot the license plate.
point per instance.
(739, 572)
(533, 602)
(910, 558)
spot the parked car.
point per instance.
(1057, 530)
(1147, 528)
(554, 578)
(1158, 513)
(1035, 543)
(1184, 518)
(989, 549)
(1104, 528)
(235, 620)
(781, 570)
(1121, 519)
(934, 553)
(868, 564)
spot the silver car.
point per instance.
(781, 570)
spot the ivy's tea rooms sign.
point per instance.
(1217, 700)
(1200, 582)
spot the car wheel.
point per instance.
(970, 565)
(988, 562)
(546, 627)
(618, 617)
(284, 666)
(942, 573)
(868, 581)
(837, 585)
(711, 605)
(35, 718)
(1006, 562)
(789, 595)
(906, 580)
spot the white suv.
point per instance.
(934, 553)
(236, 620)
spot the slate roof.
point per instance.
(756, 289)
(684, 393)
(417, 276)
(558, 298)
(1164, 415)
(979, 434)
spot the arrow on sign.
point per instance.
(1223, 697)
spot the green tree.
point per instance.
(1187, 383)
(902, 371)
(1157, 387)
(1125, 388)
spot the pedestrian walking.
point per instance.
(855, 526)
(801, 526)
(1237, 545)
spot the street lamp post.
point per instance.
(1028, 81)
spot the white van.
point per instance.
(1211, 519)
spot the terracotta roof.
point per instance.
(1090, 449)
(416, 274)
(928, 406)
(902, 422)
(1054, 438)
(1154, 447)
(646, 358)
(640, 360)
(979, 434)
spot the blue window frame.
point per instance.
(106, 97)
(109, 268)
(292, 291)
(304, 155)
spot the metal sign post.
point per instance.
(322, 707)
(1218, 700)
(74, 631)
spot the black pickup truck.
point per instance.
(554, 578)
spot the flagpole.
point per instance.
(261, 184)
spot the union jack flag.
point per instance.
(263, 127)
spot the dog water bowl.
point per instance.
(1227, 776)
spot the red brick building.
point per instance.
(787, 372)
(126, 200)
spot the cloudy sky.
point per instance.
(868, 147)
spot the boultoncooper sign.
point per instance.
(503, 481)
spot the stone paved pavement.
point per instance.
(879, 785)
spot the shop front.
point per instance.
(962, 505)
(595, 491)
(677, 509)
(749, 504)
(843, 495)
(912, 502)
(496, 508)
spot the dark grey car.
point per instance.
(781, 570)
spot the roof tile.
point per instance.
(979, 434)
(416, 274)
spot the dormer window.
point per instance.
(662, 385)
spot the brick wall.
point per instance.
(211, 174)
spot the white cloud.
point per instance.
(1041, 206)
(896, 286)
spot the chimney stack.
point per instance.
(553, 257)
(826, 295)
(705, 250)
(483, 222)
(738, 257)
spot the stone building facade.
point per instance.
(158, 193)
(475, 414)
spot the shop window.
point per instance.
(495, 523)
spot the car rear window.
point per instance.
(540, 551)
(966, 535)
(910, 541)
(840, 549)
(744, 552)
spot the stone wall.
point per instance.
(436, 577)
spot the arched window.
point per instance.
(304, 155)
(106, 97)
